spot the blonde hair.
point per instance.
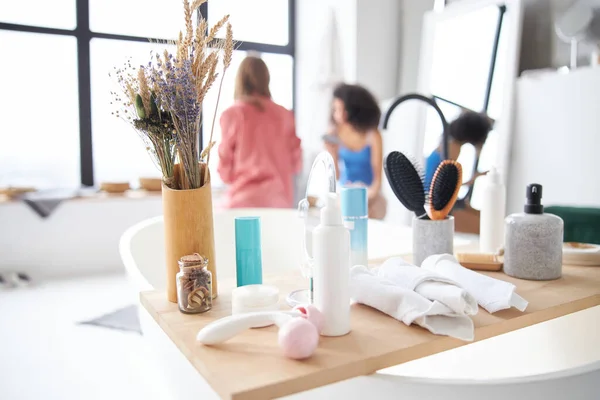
(252, 80)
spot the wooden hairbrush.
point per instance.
(444, 188)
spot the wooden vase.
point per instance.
(188, 222)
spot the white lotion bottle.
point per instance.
(493, 209)
(331, 277)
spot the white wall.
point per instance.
(411, 26)
(379, 29)
(80, 237)
(556, 139)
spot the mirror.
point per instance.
(469, 62)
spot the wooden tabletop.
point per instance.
(250, 366)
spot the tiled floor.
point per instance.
(46, 354)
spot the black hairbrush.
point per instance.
(444, 189)
(406, 182)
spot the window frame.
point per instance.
(84, 36)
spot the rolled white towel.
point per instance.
(491, 294)
(428, 284)
(408, 306)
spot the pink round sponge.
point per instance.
(313, 315)
(298, 338)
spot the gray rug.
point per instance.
(123, 319)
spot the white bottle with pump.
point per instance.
(331, 278)
(493, 208)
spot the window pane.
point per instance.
(144, 18)
(260, 21)
(47, 13)
(280, 69)
(119, 153)
(462, 52)
(40, 128)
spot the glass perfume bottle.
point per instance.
(534, 240)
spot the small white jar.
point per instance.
(254, 298)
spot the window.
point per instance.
(65, 49)
(39, 103)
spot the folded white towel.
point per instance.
(491, 294)
(428, 284)
(408, 306)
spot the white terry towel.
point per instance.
(428, 284)
(491, 294)
(366, 287)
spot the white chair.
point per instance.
(521, 352)
(142, 248)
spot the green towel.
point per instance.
(581, 224)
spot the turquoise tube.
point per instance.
(248, 256)
(355, 213)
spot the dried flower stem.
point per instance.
(226, 63)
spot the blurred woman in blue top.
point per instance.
(355, 142)
(470, 127)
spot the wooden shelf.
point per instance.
(251, 366)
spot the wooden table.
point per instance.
(250, 366)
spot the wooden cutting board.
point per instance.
(250, 366)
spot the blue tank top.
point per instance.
(356, 165)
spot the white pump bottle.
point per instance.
(491, 228)
(331, 278)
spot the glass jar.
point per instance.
(194, 285)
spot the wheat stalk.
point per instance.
(228, 55)
(189, 28)
(216, 28)
(199, 43)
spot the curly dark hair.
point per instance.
(470, 127)
(362, 110)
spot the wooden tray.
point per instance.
(251, 366)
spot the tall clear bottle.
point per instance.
(331, 279)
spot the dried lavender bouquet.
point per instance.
(182, 82)
(163, 100)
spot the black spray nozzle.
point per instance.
(534, 199)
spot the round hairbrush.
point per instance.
(443, 192)
(406, 182)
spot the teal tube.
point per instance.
(248, 256)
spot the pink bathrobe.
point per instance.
(259, 154)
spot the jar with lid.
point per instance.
(194, 285)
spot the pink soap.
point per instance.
(298, 338)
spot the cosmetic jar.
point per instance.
(254, 298)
